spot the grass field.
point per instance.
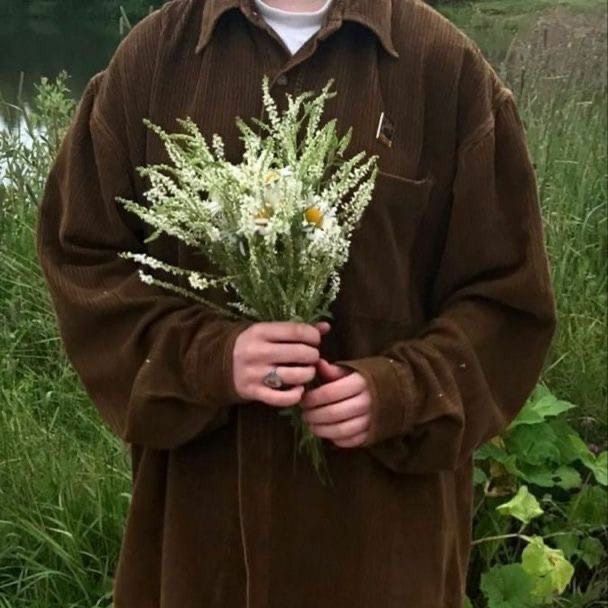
(64, 479)
(553, 56)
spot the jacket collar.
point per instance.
(374, 14)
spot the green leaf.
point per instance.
(522, 506)
(550, 405)
(490, 451)
(527, 415)
(599, 467)
(508, 586)
(538, 475)
(592, 551)
(567, 478)
(539, 407)
(510, 465)
(570, 445)
(568, 543)
(534, 444)
(564, 476)
(467, 603)
(549, 566)
(479, 477)
(589, 506)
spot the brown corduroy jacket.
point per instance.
(446, 308)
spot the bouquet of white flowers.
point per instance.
(278, 225)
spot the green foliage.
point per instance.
(507, 586)
(540, 474)
(543, 449)
(553, 56)
(64, 479)
(27, 152)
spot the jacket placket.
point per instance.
(252, 421)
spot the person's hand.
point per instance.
(289, 346)
(339, 409)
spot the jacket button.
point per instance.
(282, 80)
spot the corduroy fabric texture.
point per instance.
(446, 308)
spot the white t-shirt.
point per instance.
(295, 28)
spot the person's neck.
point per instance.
(297, 5)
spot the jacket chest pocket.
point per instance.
(375, 280)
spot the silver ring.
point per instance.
(272, 379)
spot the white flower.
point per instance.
(197, 281)
(213, 206)
(272, 196)
(279, 190)
(145, 277)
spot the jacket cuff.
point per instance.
(211, 365)
(391, 387)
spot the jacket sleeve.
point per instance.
(467, 373)
(157, 367)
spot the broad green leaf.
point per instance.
(479, 477)
(589, 506)
(592, 551)
(508, 586)
(543, 590)
(490, 451)
(540, 390)
(510, 465)
(537, 410)
(567, 478)
(552, 569)
(522, 506)
(538, 475)
(600, 468)
(493, 450)
(534, 557)
(527, 415)
(569, 443)
(550, 405)
(467, 603)
(534, 444)
(568, 543)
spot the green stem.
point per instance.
(500, 537)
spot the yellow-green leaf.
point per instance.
(552, 569)
(522, 506)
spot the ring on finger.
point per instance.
(273, 380)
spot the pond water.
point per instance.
(44, 47)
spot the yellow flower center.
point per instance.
(314, 215)
(270, 176)
(263, 213)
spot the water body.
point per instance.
(37, 47)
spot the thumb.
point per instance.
(329, 372)
(323, 327)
